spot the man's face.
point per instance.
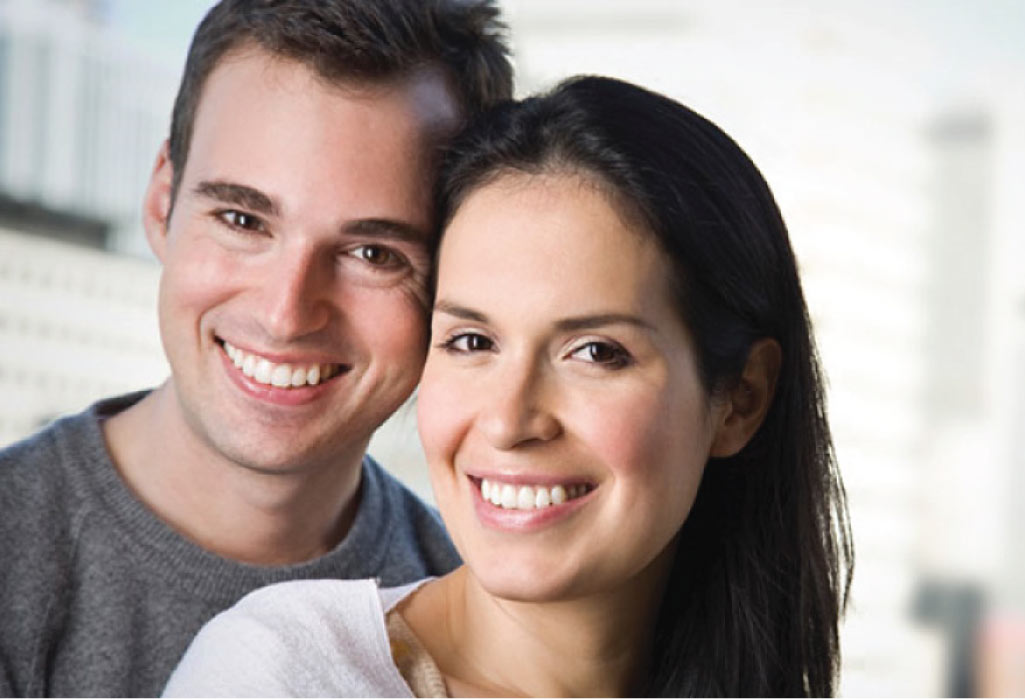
(292, 297)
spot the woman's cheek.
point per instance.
(623, 430)
(442, 414)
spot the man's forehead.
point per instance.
(427, 89)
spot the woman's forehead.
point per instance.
(547, 241)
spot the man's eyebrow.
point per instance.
(241, 195)
(387, 229)
(254, 200)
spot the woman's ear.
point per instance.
(745, 405)
(156, 204)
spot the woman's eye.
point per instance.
(241, 220)
(468, 342)
(605, 354)
(377, 256)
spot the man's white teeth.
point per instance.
(281, 375)
(528, 497)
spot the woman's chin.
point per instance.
(527, 583)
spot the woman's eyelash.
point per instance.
(601, 353)
(467, 343)
(604, 353)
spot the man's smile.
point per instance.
(283, 375)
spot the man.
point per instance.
(290, 209)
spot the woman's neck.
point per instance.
(593, 646)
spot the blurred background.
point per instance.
(893, 135)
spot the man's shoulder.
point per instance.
(414, 529)
(37, 463)
(49, 483)
(47, 459)
(72, 437)
(39, 505)
(20, 457)
(403, 502)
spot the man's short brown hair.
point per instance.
(364, 41)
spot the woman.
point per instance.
(625, 425)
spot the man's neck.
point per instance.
(233, 511)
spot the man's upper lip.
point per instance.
(292, 358)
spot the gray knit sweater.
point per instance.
(98, 597)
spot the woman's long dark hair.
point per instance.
(764, 559)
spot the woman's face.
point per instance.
(560, 408)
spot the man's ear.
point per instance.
(156, 204)
(746, 404)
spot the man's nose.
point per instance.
(517, 409)
(297, 293)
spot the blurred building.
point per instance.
(75, 325)
(81, 117)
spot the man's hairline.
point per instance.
(360, 87)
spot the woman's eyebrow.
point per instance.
(574, 323)
(580, 323)
(463, 312)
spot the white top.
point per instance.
(297, 639)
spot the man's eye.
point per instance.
(239, 219)
(601, 353)
(468, 342)
(376, 255)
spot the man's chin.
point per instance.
(288, 458)
(261, 451)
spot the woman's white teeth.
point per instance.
(528, 497)
(494, 495)
(281, 375)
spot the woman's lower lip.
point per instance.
(516, 520)
(277, 396)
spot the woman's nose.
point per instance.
(517, 409)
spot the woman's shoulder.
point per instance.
(300, 638)
(304, 597)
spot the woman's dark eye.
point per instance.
(606, 354)
(468, 342)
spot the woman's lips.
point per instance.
(524, 507)
(519, 496)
